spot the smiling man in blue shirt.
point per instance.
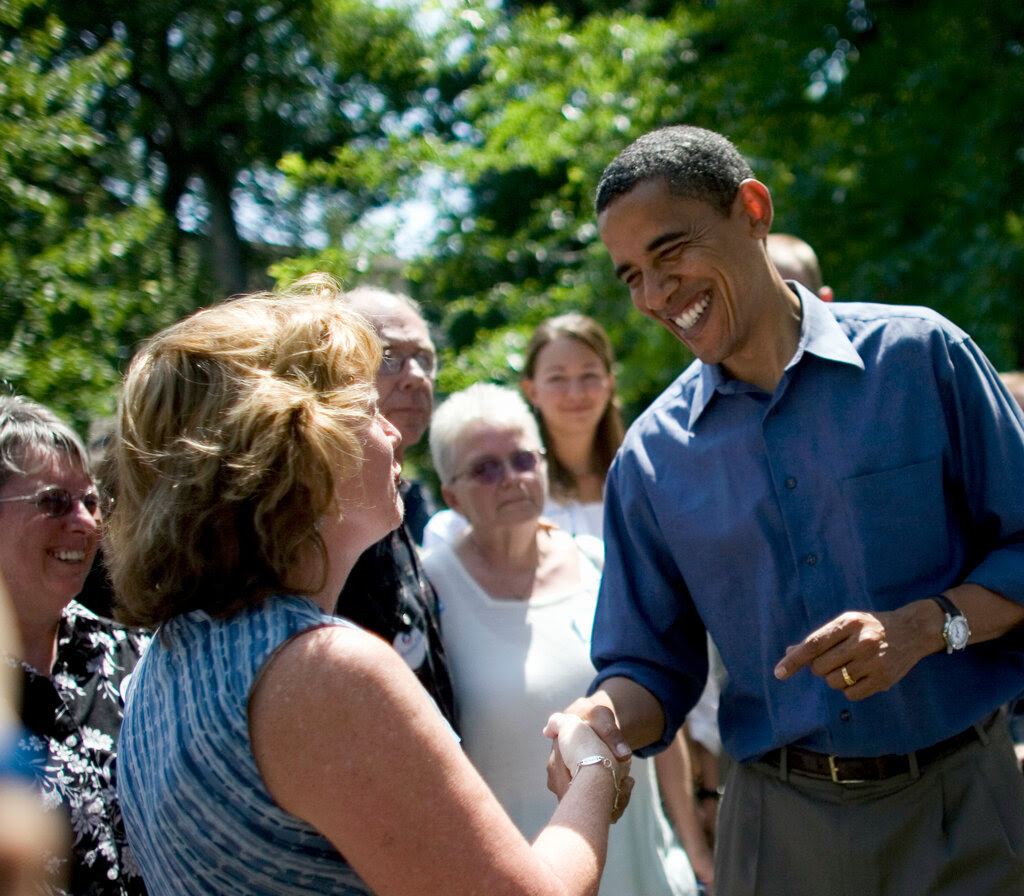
(833, 493)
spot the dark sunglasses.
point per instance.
(57, 502)
(491, 470)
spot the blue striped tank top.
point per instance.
(197, 813)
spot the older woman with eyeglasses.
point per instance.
(519, 595)
(73, 662)
(569, 380)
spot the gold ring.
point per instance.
(850, 682)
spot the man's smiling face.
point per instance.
(688, 267)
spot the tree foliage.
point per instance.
(554, 102)
(218, 91)
(891, 136)
(80, 270)
(139, 140)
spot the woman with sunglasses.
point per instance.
(73, 662)
(568, 379)
(519, 596)
(268, 747)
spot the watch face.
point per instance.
(958, 633)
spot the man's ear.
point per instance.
(755, 203)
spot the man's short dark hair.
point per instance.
(694, 162)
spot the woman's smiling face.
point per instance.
(45, 559)
(570, 387)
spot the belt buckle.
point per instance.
(834, 771)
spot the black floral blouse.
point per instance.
(72, 721)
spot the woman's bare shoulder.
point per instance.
(347, 740)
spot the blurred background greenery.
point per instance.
(156, 157)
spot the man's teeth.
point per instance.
(72, 556)
(689, 317)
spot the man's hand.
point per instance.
(620, 712)
(872, 650)
(600, 717)
(877, 649)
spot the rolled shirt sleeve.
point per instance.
(886, 466)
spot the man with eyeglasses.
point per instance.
(405, 382)
(387, 590)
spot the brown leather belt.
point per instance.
(857, 770)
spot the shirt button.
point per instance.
(791, 482)
(845, 715)
(811, 559)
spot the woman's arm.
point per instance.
(346, 739)
(675, 783)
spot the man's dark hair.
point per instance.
(694, 162)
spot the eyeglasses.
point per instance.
(491, 470)
(393, 363)
(57, 502)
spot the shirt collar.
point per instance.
(820, 335)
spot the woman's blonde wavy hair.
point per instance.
(234, 427)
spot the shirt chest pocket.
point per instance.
(898, 518)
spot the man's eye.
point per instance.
(673, 250)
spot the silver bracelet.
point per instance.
(607, 763)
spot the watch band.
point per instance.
(947, 605)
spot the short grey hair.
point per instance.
(370, 300)
(488, 403)
(28, 428)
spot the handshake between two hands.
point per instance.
(577, 738)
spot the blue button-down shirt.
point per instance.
(887, 466)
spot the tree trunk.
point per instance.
(227, 259)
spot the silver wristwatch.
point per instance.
(956, 632)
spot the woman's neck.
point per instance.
(545, 564)
(507, 547)
(39, 645)
(574, 451)
(576, 454)
(505, 561)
